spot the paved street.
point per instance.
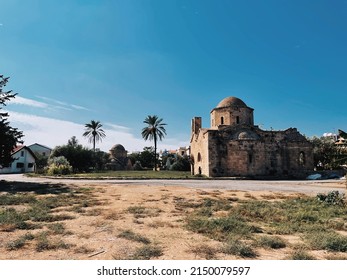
(304, 186)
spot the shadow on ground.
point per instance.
(37, 188)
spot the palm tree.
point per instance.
(94, 132)
(154, 131)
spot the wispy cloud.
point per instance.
(79, 107)
(63, 105)
(28, 102)
(116, 127)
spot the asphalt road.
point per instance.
(304, 186)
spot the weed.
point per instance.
(239, 248)
(146, 252)
(301, 255)
(330, 241)
(157, 224)
(56, 228)
(20, 242)
(204, 251)
(10, 219)
(82, 250)
(221, 228)
(113, 215)
(272, 242)
(16, 199)
(43, 243)
(142, 212)
(130, 235)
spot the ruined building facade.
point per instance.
(234, 146)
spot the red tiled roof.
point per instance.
(17, 148)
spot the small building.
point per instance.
(23, 161)
(119, 159)
(233, 146)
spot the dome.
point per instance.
(231, 102)
(247, 135)
(117, 147)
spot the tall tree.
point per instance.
(9, 136)
(94, 132)
(153, 131)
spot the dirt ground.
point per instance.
(149, 212)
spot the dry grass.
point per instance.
(42, 221)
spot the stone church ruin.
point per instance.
(233, 146)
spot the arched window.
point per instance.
(302, 159)
(222, 120)
(250, 158)
(237, 119)
(199, 157)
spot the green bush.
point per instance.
(59, 166)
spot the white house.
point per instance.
(40, 149)
(24, 161)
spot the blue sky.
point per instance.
(118, 61)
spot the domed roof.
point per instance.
(247, 135)
(231, 102)
(118, 147)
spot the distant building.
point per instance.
(40, 149)
(183, 151)
(234, 146)
(119, 159)
(24, 161)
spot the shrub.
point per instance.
(333, 198)
(137, 166)
(272, 242)
(130, 235)
(59, 169)
(147, 252)
(239, 248)
(59, 166)
(301, 255)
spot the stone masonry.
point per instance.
(234, 146)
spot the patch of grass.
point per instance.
(143, 212)
(157, 224)
(182, 203)
(147, 252)
(239, 248)
(273, 242)
(56, 228)
(45, 244)
(330, 241)
(130, 235)
(205, 251)
(221, 228)
(113, 215)
(16, 199)
(301, 255)
(40, 213)
(299, 215)
(145, 174)
(20, 242)
(10, 219)
(83, 250)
